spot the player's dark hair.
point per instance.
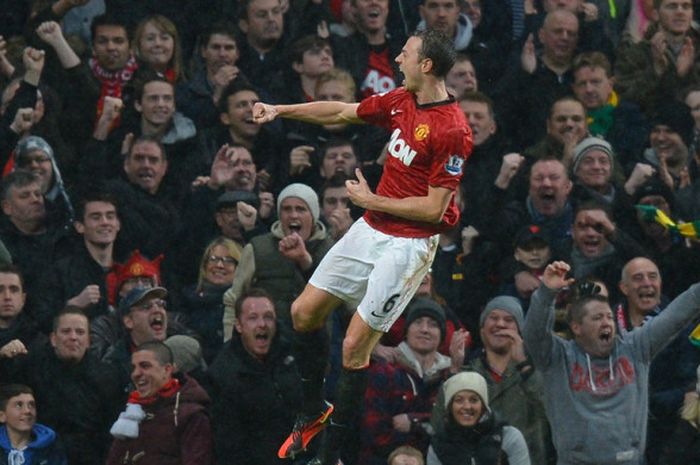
(439, 48)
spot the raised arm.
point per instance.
(327, 112)
(539, 321)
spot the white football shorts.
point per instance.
(375, 272)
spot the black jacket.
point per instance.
(79, 402)
(254, 402)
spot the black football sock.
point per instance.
(350, 395)
(311, 351)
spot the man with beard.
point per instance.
(674, 369)
(80, 279)
(282, 260)
(78, 394)
(199, 98)
(490, 167)
(337, 156)
(256, 386)
(598, 371)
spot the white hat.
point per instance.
(466, 381)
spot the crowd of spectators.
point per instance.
(153, 237)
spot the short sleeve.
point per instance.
(450, 153)
(376, 109)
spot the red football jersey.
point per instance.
(428, 147)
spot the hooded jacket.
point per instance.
(598, 407)
(42, 450)
(176, 430)
(463, 34)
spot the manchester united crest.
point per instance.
(421, 132)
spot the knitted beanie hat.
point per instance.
(588, 144)
(466, 381)
(507, 304)
(303, 192)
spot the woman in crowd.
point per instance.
(157, 44)
(203, 302)
(471, 433)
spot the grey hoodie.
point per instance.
(603, 420)
(463, 34)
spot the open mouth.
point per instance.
(146, 175)
(606, 335)
(294, 226)
(548, 198)
(157, 323)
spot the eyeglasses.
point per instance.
(213, 259)
(148, 306)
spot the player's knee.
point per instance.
(301, 320)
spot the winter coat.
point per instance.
(79, 401)
(262, 265)
(42, 450)
(255, 402)
(399, 388)
(176, 431)
(203, 311)
(67, 278)
(518, 400)
(637, 81)
(489, 442)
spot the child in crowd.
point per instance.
(22, 440)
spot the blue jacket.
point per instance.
(43, 450)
